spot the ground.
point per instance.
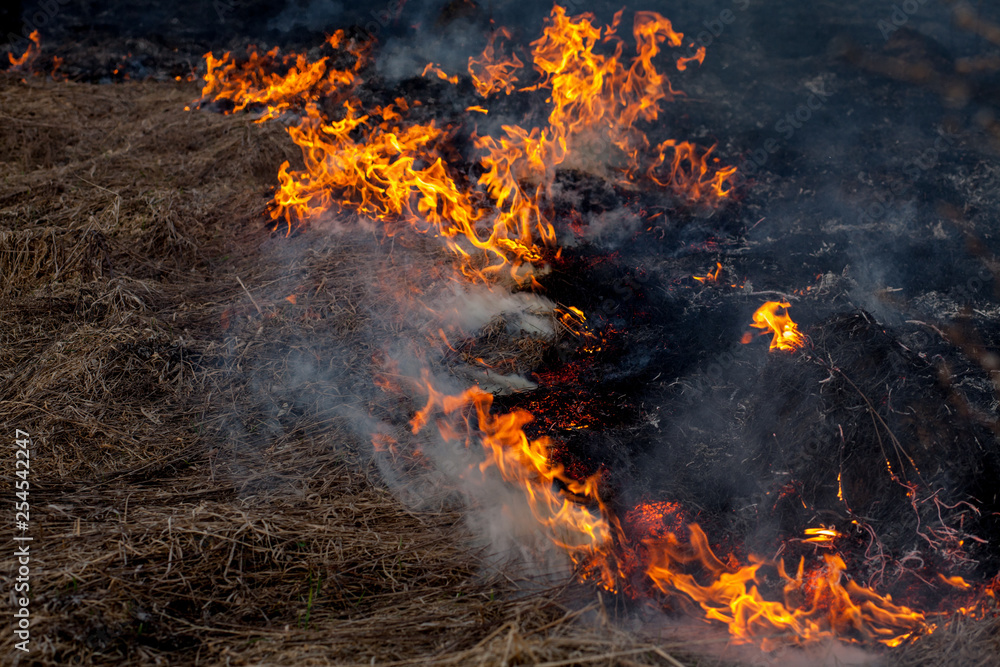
(195, 500)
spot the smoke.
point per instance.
(468, 308)
(828, 653)
(411, 314)
(449, 45)
(313, 16)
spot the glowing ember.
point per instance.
(787, 336)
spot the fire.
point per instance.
(432, 68)
(379, 163)
(787, 336)
(23, 62)
(257, 81)
(821, 535)
(493, 72)
(525, 463)
(711, 276)
(385, 167)
(814, 602)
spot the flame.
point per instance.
(524, 463)
(256, 81)
(822, 535)
(787, 336)
(689, 173)
(698, 57)
(711, 276)
(493, 72)
(434, 69)
(816, 602)
(394, 170)
(23, 62)
(57, 62)
(380, 164)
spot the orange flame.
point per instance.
(821, 535)
(787, 336)
(434, 69)
(379, 164)
(393, 171)
(23, 62)
(815, 605)
(493, 72)
(815, 602)
(256, 81)
(698, 57)
(711, 276)
(526, 463)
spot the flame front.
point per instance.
(815, 602)
(385, 167)
(382, 165)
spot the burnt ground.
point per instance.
(208, 504)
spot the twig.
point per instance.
(259, 311)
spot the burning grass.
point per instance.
(190, 503)
(200, 386)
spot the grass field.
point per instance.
(194, 499)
